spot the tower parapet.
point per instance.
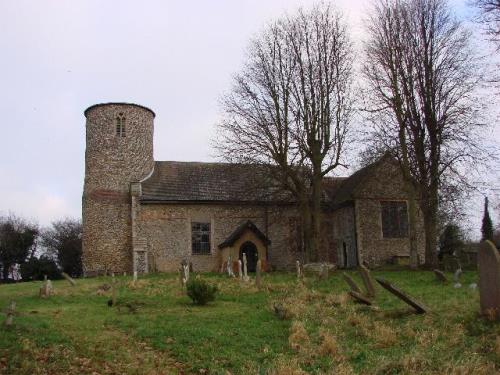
(119, 152)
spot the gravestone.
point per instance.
(230, 267)
(323, 273)
(352, 284)
(367, 278)
(240, 273)
(358, 297)
(10, 313)
(135, 277)
(488, 261)
(456, 278)
(440, 276)
(185, 269)
(69, 278)
(245, 269)
(419, 307)
(299, 271)
(46, 288)
(257, 273)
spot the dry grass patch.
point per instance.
(299, 338)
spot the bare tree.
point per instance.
(489, 16)
(290, 107)
(421, 77)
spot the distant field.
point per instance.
(156, 330)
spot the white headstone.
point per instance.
(245, 270)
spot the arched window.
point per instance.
(120, 125)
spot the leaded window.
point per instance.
(120, 125)
(394, 219)
(200, 238)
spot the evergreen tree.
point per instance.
(487, 226)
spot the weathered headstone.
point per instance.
(456, 278)
(352, 284)
(257, 273)
(323, 273)
(299, 271)
(245, 269)
(358, 297)
(10, 313)
(185, 276)
(230, 267)
(440, 276)
(135, 277)
(368, 281)
(69, 278)
(488, 261)
(46, 288)
(240, 273)
(419, 307)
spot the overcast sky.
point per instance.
(59, 57)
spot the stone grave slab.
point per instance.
(440, 276)
(352, 284)
(419, 307)
(358, 297)
(488, 262)
(368, 281)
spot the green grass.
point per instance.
(75, 331)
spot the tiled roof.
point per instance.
(174, 181)
(240, 230)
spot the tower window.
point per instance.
(120, 125)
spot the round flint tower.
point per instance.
(119, 151)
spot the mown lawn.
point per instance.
(154, 329)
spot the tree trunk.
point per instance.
(316, 218)
(430, 227)
(412, 217)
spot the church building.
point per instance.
(145, 215)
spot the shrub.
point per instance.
(200, 291)
(36, 268)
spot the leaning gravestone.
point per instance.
(358, 297)
(440, 276)
(368, 281)
(488, 262)
(69, 278)
(352, 284)
(419, 307)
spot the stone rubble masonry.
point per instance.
(112, 163)
(117, 225)
(385, 183)
(167, 228)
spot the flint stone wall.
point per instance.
(385, 183)
(167, 228)
(112, 162)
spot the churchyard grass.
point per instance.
(155, 329)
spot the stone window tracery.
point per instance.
(120, 125)
(394, 219)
